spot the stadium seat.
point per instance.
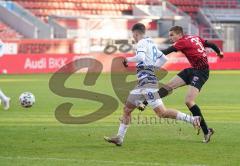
(8, 33)
(221, 3)
(48, 6)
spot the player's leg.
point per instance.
(5, 100)
(122, 130)
(196, 111)
(125, 120)
(157, 105)
(198, 79)
(179, 80)
(174, 83)
(163, 112)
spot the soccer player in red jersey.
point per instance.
(194, 49)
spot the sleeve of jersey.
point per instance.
(137, 58)
(179, 45)
(140, 53)
(161, 60)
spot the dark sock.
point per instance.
(197, 112)
(163, 92)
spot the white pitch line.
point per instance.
(93, 161)
(79, 160)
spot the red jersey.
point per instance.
(193, 48)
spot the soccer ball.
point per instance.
(27, 99)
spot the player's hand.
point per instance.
(125, 64)
(220, 55)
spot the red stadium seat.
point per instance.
(8, 33)
(44, 8)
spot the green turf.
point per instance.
(34, 136)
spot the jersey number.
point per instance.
(150, 95)
(198, 43)
(155, 53)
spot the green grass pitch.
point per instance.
(34, 136)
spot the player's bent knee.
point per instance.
(127, 110)
(161, 113)
(164, 114)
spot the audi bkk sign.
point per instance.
(50, 63)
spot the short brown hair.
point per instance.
(177, 29)
(139, 27)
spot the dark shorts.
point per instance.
(194, 77)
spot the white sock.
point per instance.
(184, 117)
(2, 96)
(122, 130)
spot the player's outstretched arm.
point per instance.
(161, 60)
(169, 50)
(214, 47)
(140, 56)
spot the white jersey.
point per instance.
(151, 51)
(148, 57)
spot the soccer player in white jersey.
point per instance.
(147, 57)
(4, 99)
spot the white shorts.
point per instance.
(138, 95)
